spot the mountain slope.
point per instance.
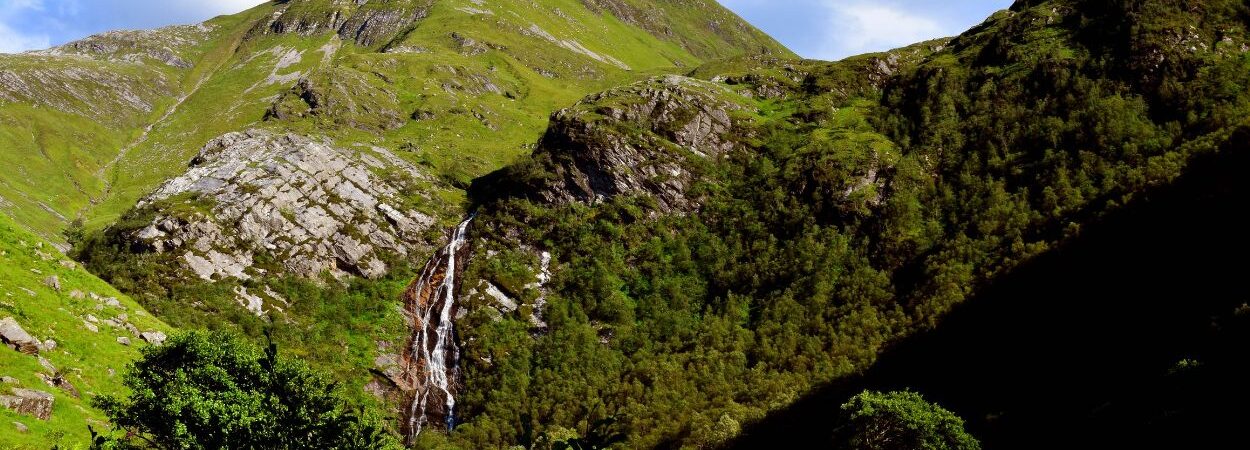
(676, 257)
(79, 320)
(694, 287)
(292, 165)
(1151, 359)
(482, 69)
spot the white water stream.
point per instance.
(434, 356)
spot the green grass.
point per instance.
(92, 361)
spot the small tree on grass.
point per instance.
(900, 421)
(215, 391)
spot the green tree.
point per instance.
(900, 421)
(215, 391)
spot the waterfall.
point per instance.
(433, 358)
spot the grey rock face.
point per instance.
(29, 401)
(596, 151)
(304, 204)
(367, 22)
(13, 336)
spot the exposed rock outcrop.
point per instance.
(367, 22)
(153, 337)
(13, 336)
(29, 401)
(595, 149)
(165, 45)
(257, 202)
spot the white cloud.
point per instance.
(12, 41)
(859, 27)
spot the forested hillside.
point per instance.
(715, 260)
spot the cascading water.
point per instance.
(433, 358)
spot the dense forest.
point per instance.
(858, 211)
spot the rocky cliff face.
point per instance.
(649, 138)
(311, 207)
(367, 22)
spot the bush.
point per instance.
(900, 421)
(214, 391)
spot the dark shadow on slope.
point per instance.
(1080, 348)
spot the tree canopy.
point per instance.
(205, 390)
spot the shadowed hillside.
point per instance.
(1131, 335)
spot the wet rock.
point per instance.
(389, 365)
(29, 401)
(13, 336)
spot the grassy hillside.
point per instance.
(91, 361)
(464, 92)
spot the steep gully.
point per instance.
(431, 361)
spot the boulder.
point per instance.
(153, 337)
(47, 365)
(59, 382)
(13, 336)
(29, 401)
(53, 282)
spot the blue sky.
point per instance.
(823, 29)
(835, 29)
